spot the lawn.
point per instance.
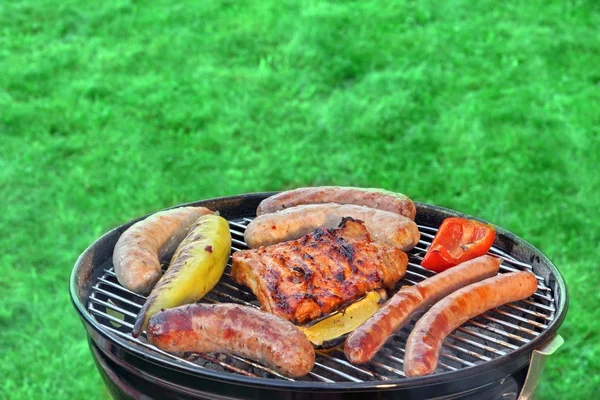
(113, 110)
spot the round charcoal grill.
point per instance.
(499, 354)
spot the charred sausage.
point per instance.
(375, 198)
(233, 329)
(138, 251)
(293, 223)
(365, 341)
(425, 340)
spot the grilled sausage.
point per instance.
(137, 254)
(365, 341)
(375, 198)
(425, 340)
(234, 329)
(293, 223)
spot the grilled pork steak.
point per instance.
(304, 279)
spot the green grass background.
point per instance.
(114, 109)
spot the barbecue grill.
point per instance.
(499, 354)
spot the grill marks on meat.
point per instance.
(315, 275)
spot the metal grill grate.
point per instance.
(489, 336)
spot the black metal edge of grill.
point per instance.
(83, 276)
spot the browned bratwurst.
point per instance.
(234, 329)
(365, 341)
(375, 198)
(425, 341)
(292, 223)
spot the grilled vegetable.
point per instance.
(458, 240)
(195, 269)
(334, 327)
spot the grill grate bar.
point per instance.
(401, 361)
(526, 311)
(234, 299)
(467, 339)
(388, 368)
(508, 324)
(234, 288)
(498, 331)
(114, 296)
(421, 241)
(465, 351)
(412, 273)
(481, 336)
(110, 317)
(238, 225)
(238, 233)
(349, 365)
(214, 360)
(527, 321)
(409, 281)
(117, 286)
(418, 267)
(542, 306)
(320, 377)
(477, 344)
(238, 242)
(113, 307)
(337, 372)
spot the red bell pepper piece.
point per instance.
(458, 240)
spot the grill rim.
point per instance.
(241, 202)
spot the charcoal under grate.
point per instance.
(494, 334)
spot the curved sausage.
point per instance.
(366, 340)
(293, 223)
(425, 341)
(375, 198)
(233, 329)
(137, 254)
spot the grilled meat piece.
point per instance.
(425, 340)
(374, 198)
(315, 275)
(233, 329)
(366, 340)
(294, 222)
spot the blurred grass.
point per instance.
(112, 110)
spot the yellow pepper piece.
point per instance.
(345, 321)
